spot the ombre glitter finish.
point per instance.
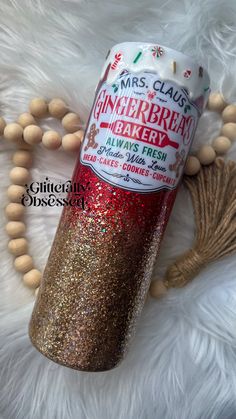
(136, 143)
(98, 273)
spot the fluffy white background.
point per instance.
(182, 363)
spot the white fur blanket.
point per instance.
(182, 363)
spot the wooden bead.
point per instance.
(26, 119)
(38, 107)
(192, 166)
(13, 132)
(206, 155)
(2, 125)
(71, 122)
(33, 134)
(229, 130)
(71, 142)
(23, 263)
(15, 229)
(19, 175)
(14, 211)
(57, 108)
(18, 247)
(80, 134)
(221, 145)
(157, 289)
(216, 102)
(22, 158)
(229, 113)
(15, 193)
(51, 140)
(32, 278)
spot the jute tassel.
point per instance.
(213, 193)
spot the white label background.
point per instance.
(121, 172)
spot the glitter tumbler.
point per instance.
(141, 126)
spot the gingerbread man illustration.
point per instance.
(180, 158)
(91, 137)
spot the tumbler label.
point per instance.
(140, 132)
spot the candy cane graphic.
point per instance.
(118, 57)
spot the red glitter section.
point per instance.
(105, 202)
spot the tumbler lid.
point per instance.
(169, 64)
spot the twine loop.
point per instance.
(184, 269)
(213, 193)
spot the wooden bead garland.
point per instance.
(57, 108)
(26, 119)
(51, 140)
(13, 132)
(193, 166)
(22, 158)
(229, 130)
(18, 247)
(25, 133)
(157, 289)
(32, 278)
(15, 229)
(206, 155)
(71, 122)
(14, 211)
(33, 134)
(69, 142)
(38, 107)
(229, 114)
(220, 145)
(23, 263)
(214, 235)
(15, 192)
(216, 102)
(19, 175)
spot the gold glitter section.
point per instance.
(94, 286)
